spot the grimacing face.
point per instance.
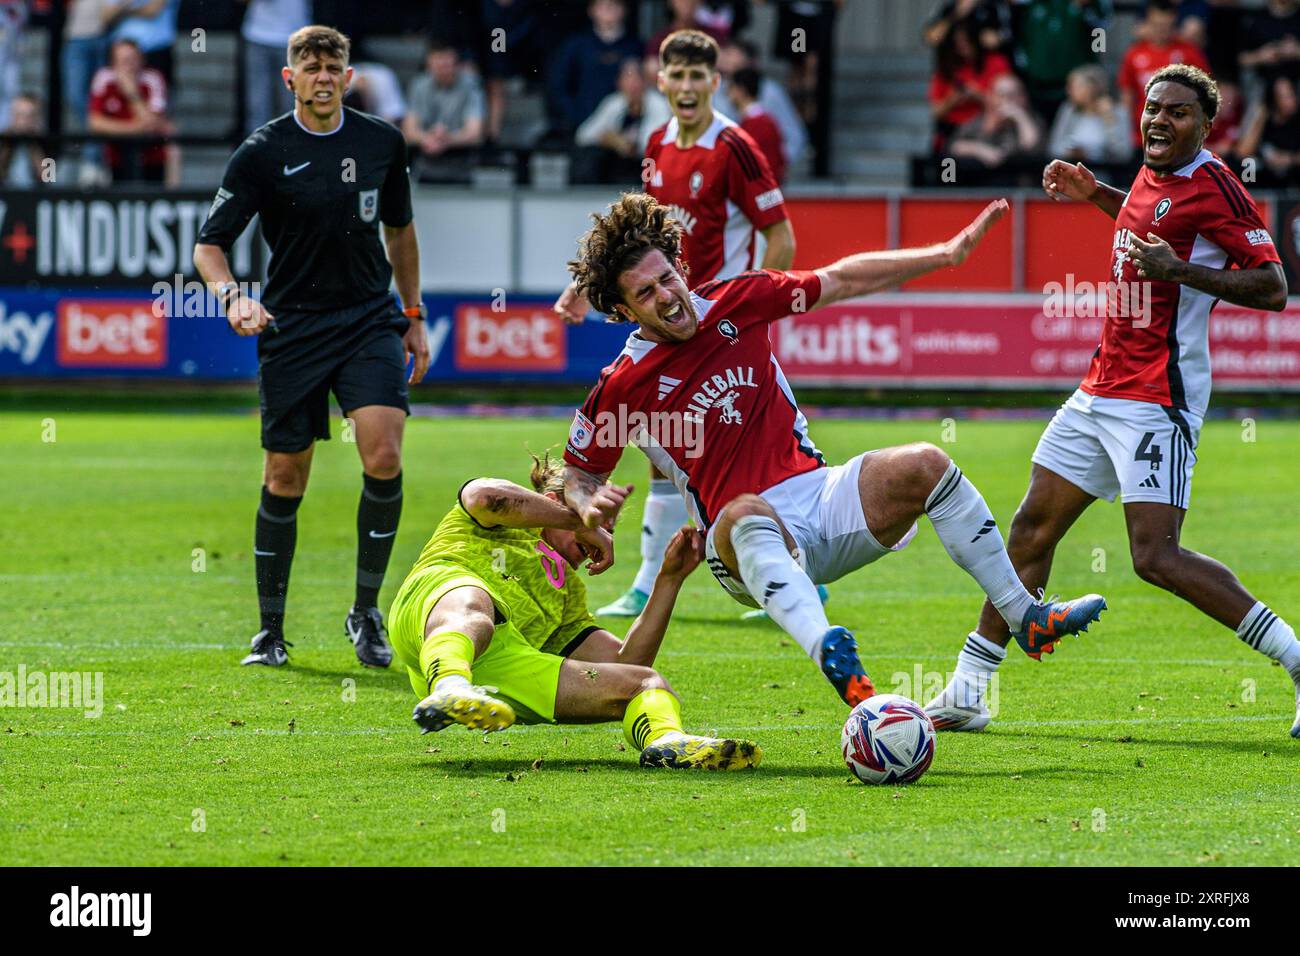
(319, 82)
(656, 298)
(1173, 126)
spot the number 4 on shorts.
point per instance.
(1149, 452)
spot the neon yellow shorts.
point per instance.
(525, 678)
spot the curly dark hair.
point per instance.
(1195, 79)
(635, 226)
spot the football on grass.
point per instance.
(888, 739)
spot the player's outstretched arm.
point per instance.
(246, 316)
(1076, 181)
(869, 272)
(646, 635)
(497, 503)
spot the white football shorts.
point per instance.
(822, 510)
(1117, 446)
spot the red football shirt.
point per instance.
(759, 125)
(106, 98)
(1160, 352)
(721, 190)
(1141, 63)
(713, 413)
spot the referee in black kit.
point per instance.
(323, 178)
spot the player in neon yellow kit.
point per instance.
(496, 596)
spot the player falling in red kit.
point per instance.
(1186, 235)
(697, 389)
(716, 183)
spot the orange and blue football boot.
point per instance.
(840, 664)
(1047, 621)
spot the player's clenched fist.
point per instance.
(602, 510)
(246, 316)
(1071, 180)
(571, 306)
(598, 545)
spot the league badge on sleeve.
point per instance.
(369, 204)
(582, 431)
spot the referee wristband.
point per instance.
(223, 293)
(416, 312)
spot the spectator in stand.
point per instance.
(446, 115)
(1273, 135)
(129, 100)
(738, 55)
(375, 89)
(727, 18)
(987, 146)
(613, 138)
(1271, 40)
(742, 91)
(151, 26)
(1227, 129)
(510, 49)
(1090, 126)
(266, 29)
(990, 19)
(85, 50)
(13, 17)
(1141, 61)
(22, 165)
(964, 74)
(682, 15)
(586, 69)
(1052, 38)
(813, 21)
(1224, 26)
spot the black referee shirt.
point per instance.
(321, 197)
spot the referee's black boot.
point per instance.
(365, 629)
(268, 649)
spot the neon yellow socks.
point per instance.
(446, 654)
(650, 715)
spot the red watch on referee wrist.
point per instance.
(420, 312)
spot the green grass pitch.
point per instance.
(1156, 739)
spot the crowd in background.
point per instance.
(1017, 82)
(586, 60)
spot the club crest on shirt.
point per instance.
(1162, 207)
(729, 330)
(697, 181)
(369, 199)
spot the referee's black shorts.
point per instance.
(356, 353)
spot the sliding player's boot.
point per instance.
(840, 664)
(471, 707)
(687, 751)
(1295, 728)
(268, 649)
(365, 629)
(1047, 621)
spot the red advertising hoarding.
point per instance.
(1005, 342)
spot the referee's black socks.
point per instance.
(273, 544)
(377, 516)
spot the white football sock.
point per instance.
(971, 537)
(775, 579)
(1269, 634)
(665, 512)
(451, 682)
(976, 663)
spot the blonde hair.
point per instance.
(547, 474)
